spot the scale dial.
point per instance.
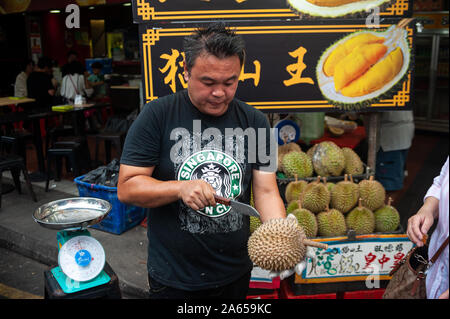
(81, 258)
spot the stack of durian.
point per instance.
(326, 209)
(324, 159)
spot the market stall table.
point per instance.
(348, 139)
(10, 100)
(77, 117)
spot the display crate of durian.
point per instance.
(360, 225)
(325, 159)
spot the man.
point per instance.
(179, 152)
(40, 86)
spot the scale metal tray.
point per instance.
(72, 213)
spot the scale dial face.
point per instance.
(81, 258)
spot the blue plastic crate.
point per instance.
(122, 217)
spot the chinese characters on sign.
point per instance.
(173, 70)
(357, 259)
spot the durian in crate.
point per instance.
(331, 223)
(328, 159)
(372, 193)
(316, 196)
(361, 220)
(344, 195)
(279, 244)
(387, 218)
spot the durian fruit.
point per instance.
(316, 196)
(344, 195)
(387, 218)
(331, 223)
(285, 149)
(255, 222)
(377, 76)
(361, 220)
(311, 151)
(353, 163)
(306, 219)
(279, 244)
(309, 9)
(292, 206)
(354, 65)
(297, 163)
(345, 48)
(365, 67)
(328, 159)
(329, 184)
(372, 193)
(294, 189)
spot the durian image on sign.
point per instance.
(364, 67)
(337, 8)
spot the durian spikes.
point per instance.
(377, 76)
(331, 3)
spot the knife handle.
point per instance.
(222, 200)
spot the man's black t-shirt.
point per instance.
(38, 84)
(190, 249)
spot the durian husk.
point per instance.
(328, 159)
(286, 149)
(361, 220)
(344, 195)
(353, 163)
(387, 218)
(279, 244)
(316, 196)
(372, 193)
(294, 189)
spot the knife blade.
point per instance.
(237, 206)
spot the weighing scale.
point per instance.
(81, 258)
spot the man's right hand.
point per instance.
(197, 194)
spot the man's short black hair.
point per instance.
(216, 39)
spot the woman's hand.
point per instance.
(420, 223)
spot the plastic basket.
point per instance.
(122, 217)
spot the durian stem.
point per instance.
(296, 177)
(360, 202)
(351, 178)
(316, 244)
(371, 178)
(346, 178)
(389, 201)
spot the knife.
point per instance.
(237, 206)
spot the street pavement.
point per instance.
(125, 253)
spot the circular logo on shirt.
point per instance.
(220, 170)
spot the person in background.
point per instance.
(72, 56)
(74, 83)
(435, 207)
(40, 86)
(97, 81)
(395, 139)
(20, 86)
